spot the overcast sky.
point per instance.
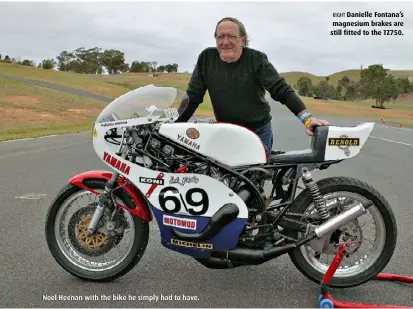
(295, 36)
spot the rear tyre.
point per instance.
(383, 246)
(66, 258)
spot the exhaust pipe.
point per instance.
(251, 256)
(341, 219)
(256, 257)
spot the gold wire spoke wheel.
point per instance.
(66, 224)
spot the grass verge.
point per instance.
(72, 80)
(39, 131)
(400, 113)
(29, 110)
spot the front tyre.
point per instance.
(78, 254)
(339, 191)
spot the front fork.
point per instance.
(106, 197)
(104, 200)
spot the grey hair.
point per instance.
(241, 27)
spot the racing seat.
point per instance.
(314, 154)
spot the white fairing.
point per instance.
(346, 142)
(216, 194)
(184, 194)
(229, 144)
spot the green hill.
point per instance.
(29, 109)
(115, 85)
(292, 77)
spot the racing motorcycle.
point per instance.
(205, 185)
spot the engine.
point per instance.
(157, 152)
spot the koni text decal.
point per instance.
(156, 181)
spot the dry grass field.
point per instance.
(30, 110)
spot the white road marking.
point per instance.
(31, 196)
(29, 138)
(391, 141)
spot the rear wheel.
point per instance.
(79, 254)
(341, 193)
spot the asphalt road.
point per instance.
(58, 87)
(38, 168)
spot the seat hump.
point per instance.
(316, 152)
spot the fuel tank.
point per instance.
(229, 144)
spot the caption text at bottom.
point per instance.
(120, 297)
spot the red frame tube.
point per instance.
(382, 276)
(342, 304)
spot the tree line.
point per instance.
(94, 61)
(375, 82)
(46, 64)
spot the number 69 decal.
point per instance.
(188, 201)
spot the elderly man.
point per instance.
(236, 78)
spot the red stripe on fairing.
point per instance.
(154, 185)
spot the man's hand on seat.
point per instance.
(309, 129)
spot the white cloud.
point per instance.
(295, 36)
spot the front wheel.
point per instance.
(116, 247)
(341, 193)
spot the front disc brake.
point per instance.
(100, 243)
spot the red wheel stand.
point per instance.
(327, 301)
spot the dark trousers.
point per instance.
(265, 134)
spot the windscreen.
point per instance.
(141, 102)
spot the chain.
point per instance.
(293, 214)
